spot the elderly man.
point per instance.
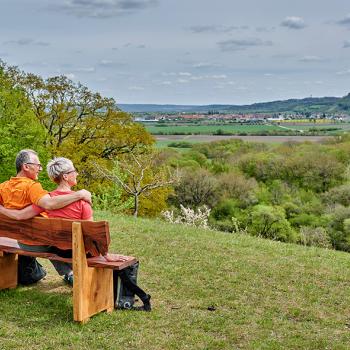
(23, 190)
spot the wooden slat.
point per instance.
(11, 246)
(57, 232)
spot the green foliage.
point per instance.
(19, 128)
(270, 222)
(180, 144)
(111, 198)
(338, 195)
(339, 228)
(196, 187)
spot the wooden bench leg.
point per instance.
(8, 270)
(92, 287)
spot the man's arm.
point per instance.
(57, 202)
(20, 214)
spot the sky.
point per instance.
(184, 51)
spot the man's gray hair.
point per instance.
(23, 157)
(57, 167)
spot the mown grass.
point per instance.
(266, 295)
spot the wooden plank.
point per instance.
(8, 271)
(92, 287)
(11, 246)
(57, 232)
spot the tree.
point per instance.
(19, 128)
(196, 188)
(138, 174)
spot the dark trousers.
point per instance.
(128, 283)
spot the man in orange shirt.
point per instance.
(23, 190)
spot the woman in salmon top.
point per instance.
(61, 170)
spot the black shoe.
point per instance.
(146, 304)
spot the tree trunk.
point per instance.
(136, 205)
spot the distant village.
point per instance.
(251, 118)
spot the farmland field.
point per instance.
(165, 140)
(255, 129)
(211, 129)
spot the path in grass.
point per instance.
(266, 295)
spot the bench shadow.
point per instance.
(43, 303)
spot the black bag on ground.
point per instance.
(29, 270)
(125, 287)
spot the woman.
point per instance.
(61, 170)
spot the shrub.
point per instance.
(340, 195)
(188, 216)
(270, 222)
(339, 228)
(314, 236)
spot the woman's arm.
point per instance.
(21, 214)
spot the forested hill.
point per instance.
(311, 104)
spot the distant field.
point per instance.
(165, 140)
(282, 128)
(210, 129)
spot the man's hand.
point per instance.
(115, 257)
(85, 196)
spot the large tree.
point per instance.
(78, 123)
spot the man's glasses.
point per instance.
(40, 167)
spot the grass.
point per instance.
(266, 295)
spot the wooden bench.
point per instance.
(93, 277)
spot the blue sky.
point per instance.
(184, 52)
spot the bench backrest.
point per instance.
(57, 232)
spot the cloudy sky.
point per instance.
(184, 51)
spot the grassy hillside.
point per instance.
(266, 295)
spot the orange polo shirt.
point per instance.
(19, 192)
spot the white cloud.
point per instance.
(293, 23)
(242, 44)
(85, 69)
(345, 21)
(311, 59)
(136, 88)
(346, 44)
(103, 8)
(344, 72)
(26, 41)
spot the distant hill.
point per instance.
(310, 104)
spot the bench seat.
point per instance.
(10, 245)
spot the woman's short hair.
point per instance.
(57, 167)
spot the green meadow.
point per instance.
(210, 129)
(210, 290)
